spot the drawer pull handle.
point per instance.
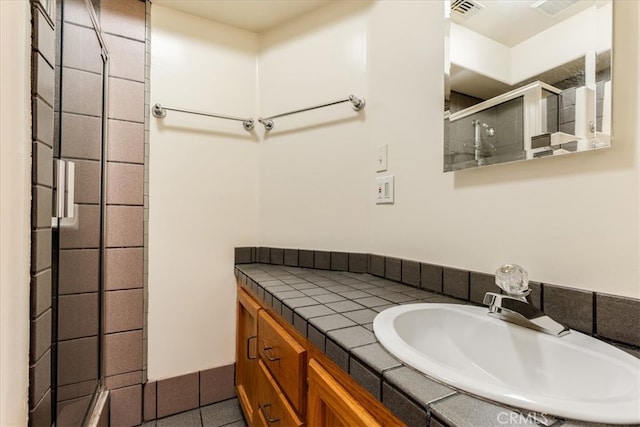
(266, 351)
(249, 348)
(263, 409)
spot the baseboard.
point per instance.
(174, 395)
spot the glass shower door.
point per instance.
(78, 240)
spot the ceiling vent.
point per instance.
(465, 8)
(553, 7)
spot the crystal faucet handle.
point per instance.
(513, 279)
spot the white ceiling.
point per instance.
(512, 21)
(506, 21)
(251, 15)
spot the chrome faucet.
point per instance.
(482, 149)
(516, 307)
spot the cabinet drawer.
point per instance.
(273, 407)
(285, 358)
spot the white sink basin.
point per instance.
(576, 376)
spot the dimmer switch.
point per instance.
(385, 189)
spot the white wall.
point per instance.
(15, 204)
(203, 191)
(571, 220)
(481, 54)
(309, 182)
(569, 42)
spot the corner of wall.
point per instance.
(15, 195)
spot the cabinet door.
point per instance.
(273, 407)
(246, 353)
(331, 405)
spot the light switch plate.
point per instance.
(381, 158)
(385, 189)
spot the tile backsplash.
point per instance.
(609, 317)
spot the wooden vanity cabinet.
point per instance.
(247, 353)
(282, 379)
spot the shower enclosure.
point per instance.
(521, 124)
(78, 233)
(492, 135)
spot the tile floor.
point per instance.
(226, 413)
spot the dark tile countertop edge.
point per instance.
(335, 310)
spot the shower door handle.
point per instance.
(63, 202)
(70, 189)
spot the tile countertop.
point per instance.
(335, 311)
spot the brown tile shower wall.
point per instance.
(42, 90)
(609, 317)
(123, 25)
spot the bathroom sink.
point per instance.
(575, 376)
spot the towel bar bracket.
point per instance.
(158, 111)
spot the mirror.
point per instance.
(525, 79)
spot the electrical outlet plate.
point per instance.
(381, 158)
(385, 190)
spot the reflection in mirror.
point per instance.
(525, 79)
